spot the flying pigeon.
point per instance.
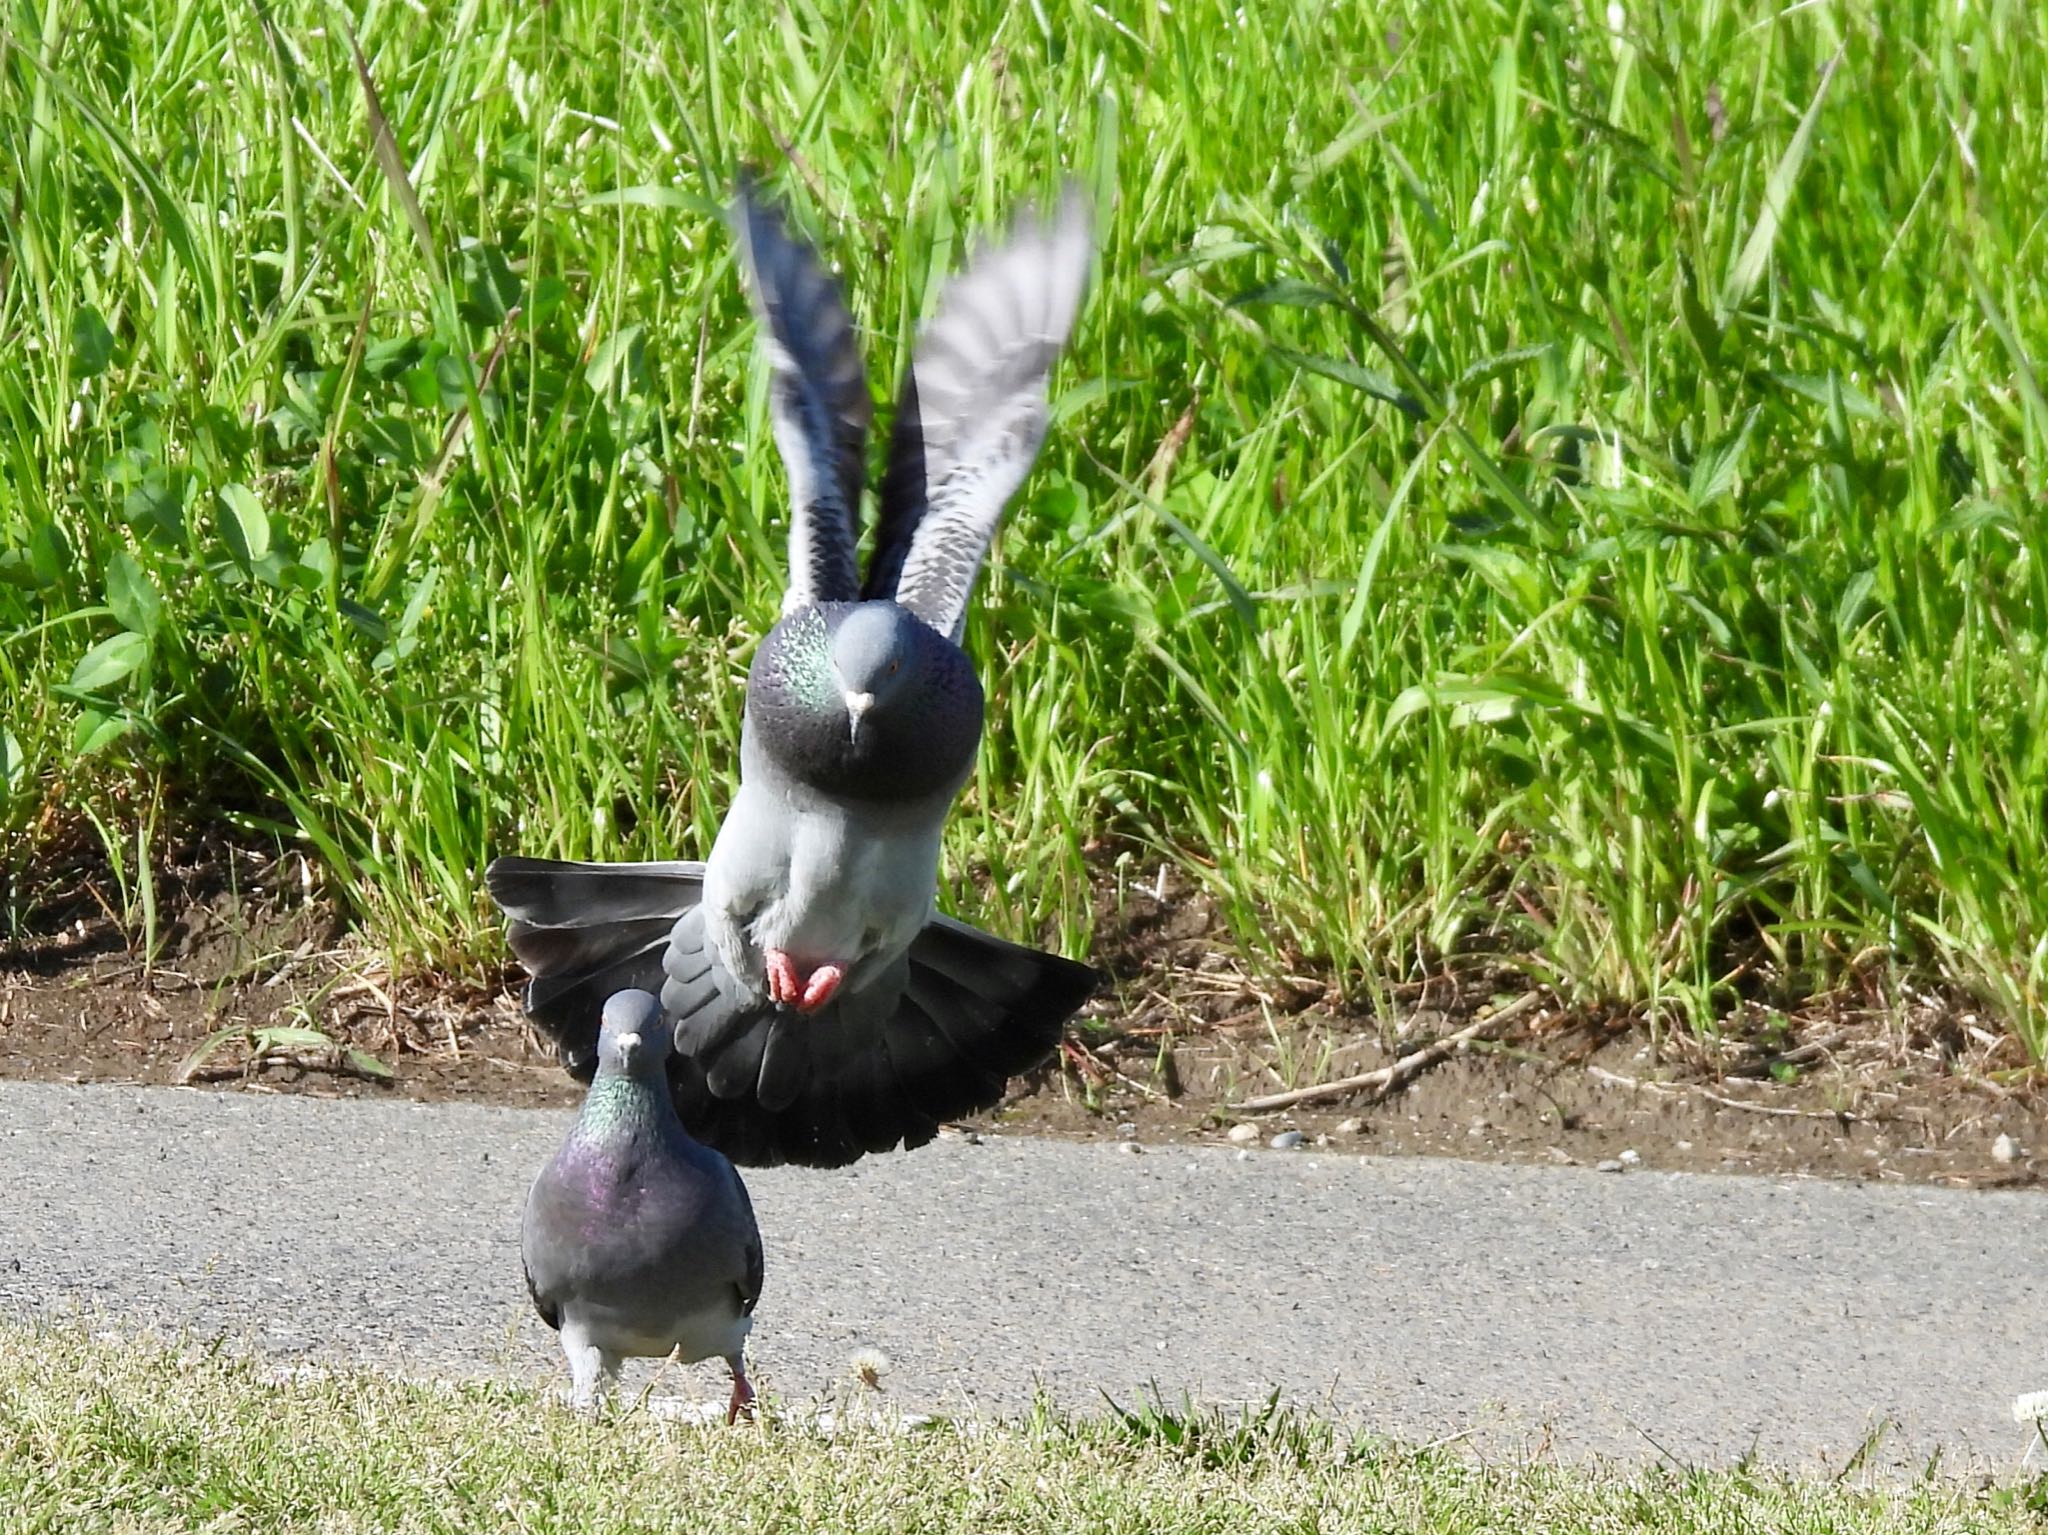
(638, 1242)
(822, 1007)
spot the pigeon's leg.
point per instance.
(784, 985)
(742, 1391)
(735, 949)
(586, 1366)
(793, 988)
(591, 1369)
(822, 986)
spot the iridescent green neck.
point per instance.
(619, 1104)
(806, 661)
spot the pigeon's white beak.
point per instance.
(857, 706)
(628, 1047)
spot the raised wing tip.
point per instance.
(751, 219)
(1060, 230)
(1073, 217)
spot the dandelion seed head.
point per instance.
(868, 1365)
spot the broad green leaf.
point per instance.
(490, 288)
(109, 661)
(416, 606)
(244, 525)
(619, 361)
(1344, 371)
(1854, 600)
(49, 553)
(17, 569)
(133, 596)
(1288, 290)
(92, 344)
(156, 507)
(1412, 700)
(96, 731)
(1505, 570)
(655, 197)
(388, 359)
(13, 765)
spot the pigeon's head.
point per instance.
(633, 1038)
(867, 655)
(865, 699)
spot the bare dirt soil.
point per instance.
(253, 988)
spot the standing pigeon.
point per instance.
(638, 1241)
(822, 1008)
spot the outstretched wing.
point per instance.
(974, 410)
(819, 400)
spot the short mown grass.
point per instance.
(100, 1433)
(1557, 478)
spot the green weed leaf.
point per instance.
(490, 288)
(109, 662)
(96, 730)
(13, 764)
(1344, 371)
(1714, 471)
(244, 525)
(132, 596)
(92, 344)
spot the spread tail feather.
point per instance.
(937, 1037)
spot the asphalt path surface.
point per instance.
(1556, 1310)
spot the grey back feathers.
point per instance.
(968, 426)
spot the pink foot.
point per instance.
(783, 985)
(742, 1402)
(820, 988)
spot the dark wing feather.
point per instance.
(584, 931)
(756, 1269)
(819, 400)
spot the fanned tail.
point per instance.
(936, 1037)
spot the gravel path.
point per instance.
(1524, 1307)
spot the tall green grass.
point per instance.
(1561, 479)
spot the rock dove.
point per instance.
(637, 1241)
(822, 1008)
